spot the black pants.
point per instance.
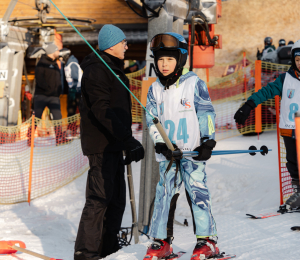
(73, 103)
(53, 103)
(104, 207)
(291, 157)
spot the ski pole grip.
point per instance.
(163, 134)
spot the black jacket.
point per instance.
(48, 79)
(105, 107)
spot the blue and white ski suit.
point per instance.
(187, 115)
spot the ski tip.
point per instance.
(252, 216)
(296, 228)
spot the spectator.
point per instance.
(105, 131)
(73, 74)
(48, 88)
(268, 48)
(282, 42)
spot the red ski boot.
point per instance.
(204, 249)
(159, 249)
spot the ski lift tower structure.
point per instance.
(171, 16)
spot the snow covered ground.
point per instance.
(239, 184)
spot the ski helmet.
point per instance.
(268, 41)
(295, 52)
(282, 42)
(169, 42)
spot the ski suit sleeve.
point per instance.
(152, 108)
(270, 91)
(205, 111)
(98, 91)
(74, 74)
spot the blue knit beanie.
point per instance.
(109, 36)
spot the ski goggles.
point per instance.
(166, 41)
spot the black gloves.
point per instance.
(205, 150)
(243, 112)
(162, 148)
(134, 150)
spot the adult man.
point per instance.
(48, 88)
(105, 131)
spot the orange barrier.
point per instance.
(278, 145)
(31, 158)
(297, 131)
(258, 122)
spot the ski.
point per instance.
(282, 210)
(221, 256)
(295, 228)
(261, 216)
(172, 256)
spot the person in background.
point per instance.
(287, 86)
(73, 74)
(48, 89)
(281, 42)
(268, 48)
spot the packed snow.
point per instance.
(239, 184)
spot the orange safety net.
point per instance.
(286, 186)
(33, 165)
(57, 158)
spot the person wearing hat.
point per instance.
(287, 87)
(48, 88)
(105, 131)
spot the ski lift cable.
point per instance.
(101, 58)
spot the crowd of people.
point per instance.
(271, 54)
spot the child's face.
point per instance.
(166, 65)
(297, 61)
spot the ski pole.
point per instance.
(252, 151)
(155, 120)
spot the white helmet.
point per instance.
(295, 48)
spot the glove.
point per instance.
(162, 148)
(205, 150)
(243, 112)
(134, 150)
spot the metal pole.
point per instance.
(7, 109)
(133, 207)
(9, 10)
(148, 175)
(142, 175)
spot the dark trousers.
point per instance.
(104, 207)
(73, 103)
(291, 157)
(53, 103)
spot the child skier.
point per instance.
(287, 85)
(181, 102)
